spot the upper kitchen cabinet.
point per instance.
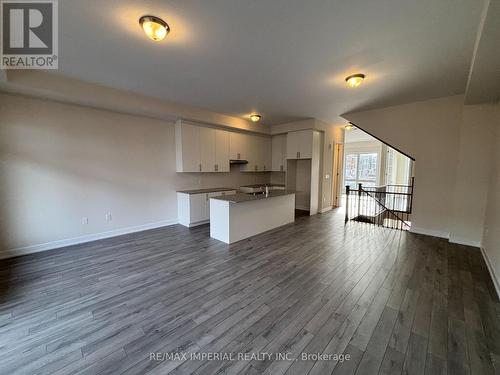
(201, 149)
(279, 153)
(266, 159)
(207, 150)
(222, 150)
(258, 154)
(299, 144)
(187, 145)
(238, 145)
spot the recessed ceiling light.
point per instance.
(154, 27)
(355, 80)
(255, 117)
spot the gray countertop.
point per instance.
(261, 185)
(240, 197)
(201, 191)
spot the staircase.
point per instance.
(387, 206)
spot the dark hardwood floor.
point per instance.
(395, 302)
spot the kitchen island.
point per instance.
(239, 216)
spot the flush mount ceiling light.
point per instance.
(255, 117)
(154, 27)
(355, 80)
(348, 127)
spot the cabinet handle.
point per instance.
(298, 154)
(264, 167)
(238, 156)
(215, 167)
(207, 197)
(200, 167)
(256, 167)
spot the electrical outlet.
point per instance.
(109, 217)
(85, 220)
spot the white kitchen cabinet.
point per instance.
(258, 154)
(299, 144)
(278, 153)
(266, 159)
(194, 209)
(251, 154)
(201, 149)
(187, 144)
(238, 146)
(207, 149)
(221, 151)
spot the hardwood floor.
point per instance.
(395, 302)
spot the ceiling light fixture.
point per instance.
(255, 117)
(348, 127)
(355, 80)
(154, 27)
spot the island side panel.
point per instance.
(183, 209)
(250, 218)
(219, 220)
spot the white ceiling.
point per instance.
(285, 59)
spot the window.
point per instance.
(360, 168)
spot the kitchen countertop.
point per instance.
(241, 197)
(261, 185)
(201, 191)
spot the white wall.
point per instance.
(474, 161)
(429, 132)
(62, 162)
(491, 233)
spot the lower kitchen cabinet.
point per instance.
(194, 208)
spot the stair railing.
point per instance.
(389, 205)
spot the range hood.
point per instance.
(238, 161)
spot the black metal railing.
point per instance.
(388, 206)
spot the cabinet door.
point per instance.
(306, 144)
(237, 146)
(292, 145)
(252, 153)
(299, 144)
(266, 154)
(207, 149)
(277, 153)
(198, 208)
(188, 148)
(221, 151)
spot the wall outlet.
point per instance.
(85, 220)
(109, 217)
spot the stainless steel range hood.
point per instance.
(238, 161)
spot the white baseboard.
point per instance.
(326, 209)
(430, 232)
(464, 241)
(496, 282)
(82, 239)
(191, 225)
